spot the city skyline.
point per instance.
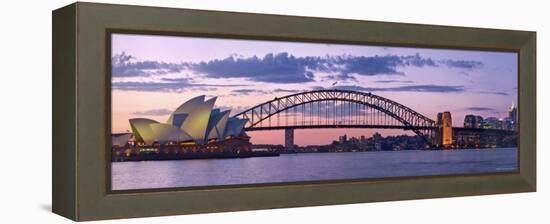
(153, 74)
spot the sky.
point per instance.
(152, 75)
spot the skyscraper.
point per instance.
(513, 117)
(473, 121)
(492, 123)
(343, 139)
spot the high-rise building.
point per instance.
(473, 121)
(376, 137)
(492, 123)
(508, 124)
(343, 139)
(513, 117)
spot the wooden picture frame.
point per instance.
(81, 111)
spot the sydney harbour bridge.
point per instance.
(333, 108)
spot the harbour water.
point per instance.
(310, 167)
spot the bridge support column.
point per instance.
(289, 139)
(444, 130)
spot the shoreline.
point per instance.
(172, 157)
(190, 156)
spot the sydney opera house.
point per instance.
(194, 127)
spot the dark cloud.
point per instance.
(159, 87)
(284, 67)
(494, 93)
(318, 88)
(177, 80)
(394, 81)
(122, 58)
(123, 66)
(480, 109)
(237, 92)
(370, 66)
(247, 92)
(462, 64)
(342, 77)
(273, 68)
(408, 88)
(287, 90)
(154, 112)
(167, 85)
(345, 67)
(418, 61)
(428, 88)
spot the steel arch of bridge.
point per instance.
(407, 118)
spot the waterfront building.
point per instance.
(513, 117)
(194, 126)
(377, 137)
(492, 123)
(343, 139)
(508, 124)
(473, 121)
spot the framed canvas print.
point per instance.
(201, 111)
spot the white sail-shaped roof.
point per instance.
(142, 129)
(217, 124)
(186, 108)
(196, 123)
(177, 119)
(194, 120)
(120, 139)
(167, 133)
(234, 127)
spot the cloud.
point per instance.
(370, 66)
(177, 80)
(159, 87)
(258, 91)
(346, 66)
(154, 112)
(279, 90)
(167, 85)
(318, 88)
(238, 92)
(418, 61)
(407, 88)
(284, 67)
(393, 81)
(342, 77)
(494, 93)
(123, 65)
(478, 109)
(273, 68)
(462, 64)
